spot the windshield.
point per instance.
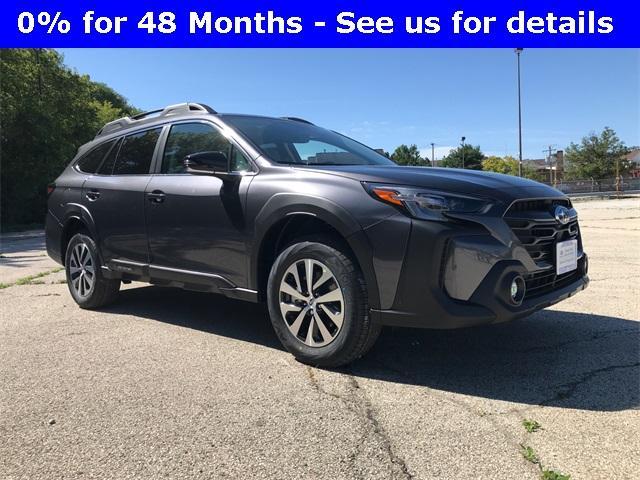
(292, 142)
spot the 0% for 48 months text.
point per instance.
(29, 22)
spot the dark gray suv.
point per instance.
(334, 237)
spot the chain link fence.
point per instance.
(606, 185)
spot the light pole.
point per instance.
(518, 52)
(463, 139)
(433, 158)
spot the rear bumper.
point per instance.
(53, 236)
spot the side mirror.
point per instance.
(206, 163)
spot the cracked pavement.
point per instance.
(176, 384)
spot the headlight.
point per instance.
(426, 204)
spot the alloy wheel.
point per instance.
(81, 270)
(311, 302)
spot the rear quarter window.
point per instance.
(107, 165)
(91, 161)
(136, 153)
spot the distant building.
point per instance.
(336, 158)
(551, 168)
(633, 157)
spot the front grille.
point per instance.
(542, 205)
(534, 224)
(540, 238)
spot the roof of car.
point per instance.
(180, 111)
(173, 111)
(245, 115)
(152, 116)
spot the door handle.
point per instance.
(157, 196)
(92, 195)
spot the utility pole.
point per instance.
(618, 175)
(552, 175)
(463, 139)
(518, 52)
(433, 157)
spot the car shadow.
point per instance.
(22, 253)
(555, 358)
(206, 312)
(34, 244)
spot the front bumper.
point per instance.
(444, 313)
(458, 275)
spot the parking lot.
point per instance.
(175, 384)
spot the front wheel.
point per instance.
(318, 305)
(86, 283)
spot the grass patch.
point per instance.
(531, 425)
(31, 279)
(553, 475)
(529, 454)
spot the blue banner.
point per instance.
(346, 23)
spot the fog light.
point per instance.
(517, 290)
(585, 266)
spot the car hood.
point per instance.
(453, 180)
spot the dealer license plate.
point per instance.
(566, 256)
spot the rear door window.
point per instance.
(91, 161)
(136, 153)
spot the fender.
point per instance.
(282, 205)
(76, 211)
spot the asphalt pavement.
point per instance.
(174, 384)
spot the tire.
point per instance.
(88, 291)
(351, 335)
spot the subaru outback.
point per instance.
(334, 237)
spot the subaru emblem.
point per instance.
(562, 214)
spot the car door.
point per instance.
(115, 200)
(196, 222)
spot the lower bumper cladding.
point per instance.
(490, 305)
(479, 281)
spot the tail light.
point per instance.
(50, 188)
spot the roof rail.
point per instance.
(298, 119)
(177, 109)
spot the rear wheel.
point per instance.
(86, 283)
(318, 305)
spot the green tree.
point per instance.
(473, 158)
(108, 96)
(407, 155)
(47, 111)
(507, 165)
(597, 156)
(532, 174)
